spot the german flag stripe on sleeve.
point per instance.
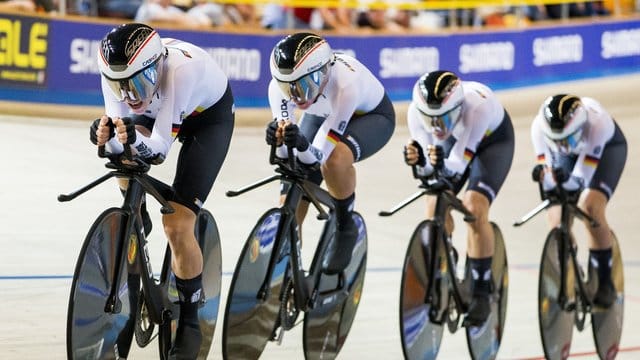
(468, 155)
(591, 161)
(333, 137)
(541, 159)
(197, 111)
(174, 129)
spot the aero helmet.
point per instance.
(564, 120)
(300, 65)
(438, 96)
(129, 59)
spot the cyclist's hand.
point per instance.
(537, 174)
(125, 130)
(413, 154)
(293, 137)
(273, 133)
(560, 175)
(101, 130)
(436, 156)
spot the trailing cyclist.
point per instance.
(579, 145)
(156, 91)
(463, 124)
(346, 117)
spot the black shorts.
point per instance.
(365, 134)
(492, 161)
(205, 141)
(611, 164)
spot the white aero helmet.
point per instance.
(438, 96)
(300, 65)
(130, 59)
(564, 120)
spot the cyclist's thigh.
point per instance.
(368, 133)
(611, 164)
(206, 139)
(492, 161)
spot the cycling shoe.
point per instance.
(479, 310)
(606, 294)
(340, 252)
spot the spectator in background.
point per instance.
(382, 18)
(214, 14)
(28, 5)
(118, 8)
(162, 11)
(336, 19)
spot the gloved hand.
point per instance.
(537, 173)
(101, 128)
(560, 175)
(293, 137)
(436, 156)
(125, 130)
(413, 154)
(271, 135)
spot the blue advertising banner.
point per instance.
(502, 59)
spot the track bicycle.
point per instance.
(115, 295)
(270, 286)
(433, 293)
(565, 292)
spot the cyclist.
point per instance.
(346, 117)
(463, 124)
(156, 91)
(579, 145)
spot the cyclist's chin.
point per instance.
(138, 107)
(441, 135)
(304, 105)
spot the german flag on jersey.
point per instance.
(468, 154)
(333, 137)
(174, 130)
(197, 111)
(541, 159)
(591, 161)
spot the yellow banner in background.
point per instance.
(23, 50)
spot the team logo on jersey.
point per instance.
(342, 126)
(597, 150)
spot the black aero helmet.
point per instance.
(299, 63)
(438, 96)
(129, 58)
(564, 119)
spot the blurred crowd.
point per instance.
(373, 15)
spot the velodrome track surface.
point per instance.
(40, 238)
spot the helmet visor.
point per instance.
(138, 87)
(306, 88)
(442, 124)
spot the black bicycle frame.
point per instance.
(135, 171)
(569, 211)
(305, 295)
(436, 185)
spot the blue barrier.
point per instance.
(52, 60)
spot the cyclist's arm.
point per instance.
(469, 133)
(113, 108)
(336, 108)
(419, 132)
(600, 131)
(281, 110)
